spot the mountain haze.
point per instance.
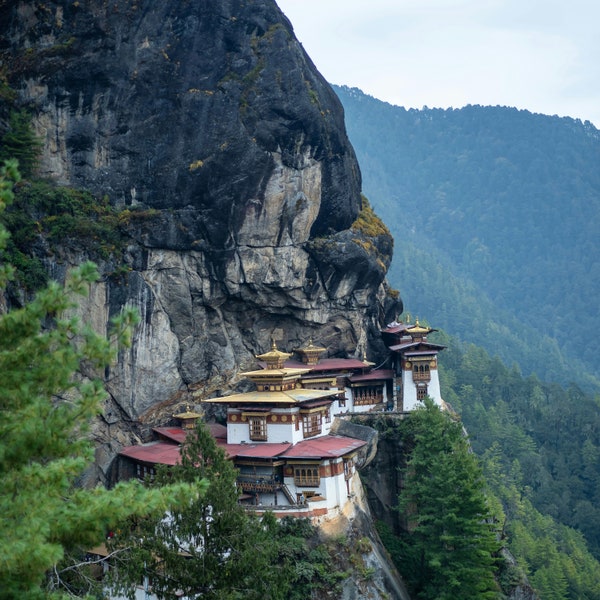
(495, 214)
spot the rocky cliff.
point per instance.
(208, 119)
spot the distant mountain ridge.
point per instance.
(495, 215)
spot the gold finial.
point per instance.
(310, 353)
(275, 359)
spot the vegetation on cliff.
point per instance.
(42, 215)
(448, 547)
(46, 408)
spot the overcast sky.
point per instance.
(540, 55)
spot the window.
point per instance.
(368, 395)
(421, 372)
(348, 468)
(421, 392)
(258, 428)
(144, 472)
(311, 424)
(306, 476)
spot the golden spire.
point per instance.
(310, 353)
(275, 359)
(188, 418)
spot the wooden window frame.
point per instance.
(257, 427)
(307, 476)
(312, 424)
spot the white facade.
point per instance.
(410, 387)
(280, 425)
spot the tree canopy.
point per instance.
(539, 446)
(46, 408)
(213, 547)
(493, 212)
(451, 540)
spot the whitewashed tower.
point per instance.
(415, 364)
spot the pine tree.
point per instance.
(212, 547)
(20, 142)
(45, 412)
(450, 545)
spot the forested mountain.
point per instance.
(495, 215)
(539, 444)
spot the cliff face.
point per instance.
(210, 120)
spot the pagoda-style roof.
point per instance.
(264, 450)
(332, 365)
(417, 346)
(418, 328)
(179, 435)
(310, 353)
(274, 357)
(317, 448)
(287, 397)
(399, 330)
(325, 446)
(277, 375)
(174, 434)
(188, 418)
(187, 414)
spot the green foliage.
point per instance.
(46, 407)
(20, 142)
(494, 214)
(368, 223)
(539, 445)
(42, 210)
(450, 546)
(7, 94)
(213, 546)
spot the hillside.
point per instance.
(494, 212)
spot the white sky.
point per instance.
(539, 55)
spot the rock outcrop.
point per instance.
(210, 121)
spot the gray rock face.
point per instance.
(203, 106)
(210, 114)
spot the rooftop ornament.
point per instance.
(274, 359)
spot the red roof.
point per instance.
(329, 364)
(255, 450)
(326, 446)
(395, 328)
(423, 346)
(175, 434)
(218, 431)
(377, 375)
(178, 435)
(156, 452)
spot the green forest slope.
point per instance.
(495, 214)
(539, 444)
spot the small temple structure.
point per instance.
(280, 436)
(414, 362)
